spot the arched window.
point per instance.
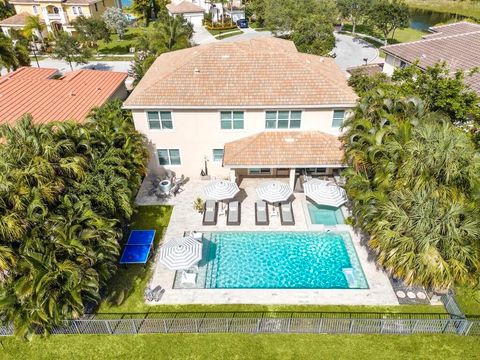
(55, 10)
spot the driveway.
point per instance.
(351, 51)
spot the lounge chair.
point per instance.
(210, 213)
(234, 213)
(261, 213)
(286, 214)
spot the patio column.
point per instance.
(232, 175)
(292, 179)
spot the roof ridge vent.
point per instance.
(196, 71)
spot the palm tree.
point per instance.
(33, 26)
(7, 53)
(413, 180)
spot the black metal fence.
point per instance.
(279, 322)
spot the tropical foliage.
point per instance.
(115, 20)
(309, 23)
(70, 49)
(6, 10)
(91, 30)
(414, 184)
(66, 189)
(8, 58)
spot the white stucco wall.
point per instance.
(197, 132)
(391, 63)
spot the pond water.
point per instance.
(423, 19)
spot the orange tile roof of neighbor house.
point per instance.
(185, 7)
(284, 149)
(254, 73)
(71, 97)
(15, 20)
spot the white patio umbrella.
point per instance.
(274, 191)
(221, 190)
(325, 193)
(181, 254)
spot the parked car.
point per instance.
(242, 23)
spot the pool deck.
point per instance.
(184, 218)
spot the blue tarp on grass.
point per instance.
(138, 247)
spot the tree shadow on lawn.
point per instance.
(124, 291)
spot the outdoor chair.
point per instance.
(234, 213)
(286, 214)
(261, 213)
(210, 213)
(188, 278)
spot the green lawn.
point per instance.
(466, 7)
(243, 346)
(117, 46)
(235, 33)
(401, 35)
(469, 300)
(125, 290)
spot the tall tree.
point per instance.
(308, 23)
(146, 9)
(6, 10)
(389, 15)
(34, 27)
(90, 30)
(8, 58)
(70, 49)
(354, 10)
(115, 20)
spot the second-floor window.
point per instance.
(160, 120)
(35, 10)
(74, 9)
(338, 117)
(231, 120)
(218, 155)
(169, 156)
(283, 119)
(80, 11)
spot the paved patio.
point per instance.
(184, 218)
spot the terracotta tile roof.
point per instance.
(32, 90)
(184, 7)
(15, 20)
(253, 73)
(459, 51)
(284, 148)
(452, 29)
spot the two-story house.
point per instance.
(56, 14)
(193, 10)
(246, 108)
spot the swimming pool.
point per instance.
(325, 215)
(281, 260)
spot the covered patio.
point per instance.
(284, 154)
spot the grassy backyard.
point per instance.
(243, 346)
(120, 46)
(127, 286)
(466, 8)
(469, 300)
(401, 35)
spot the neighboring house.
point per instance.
(457, 44)
(48, 96)
(193, 10)
(56, 14)
(245, 108)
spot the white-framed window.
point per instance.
(260, 171)
(160, 120)
(283, 119)
(217, 155)
(74, 9)
(35, 9)
(338, 117)
(80, 11)
(231, 120)
(169, 156)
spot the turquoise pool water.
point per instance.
(325, 215)
(281, 260)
